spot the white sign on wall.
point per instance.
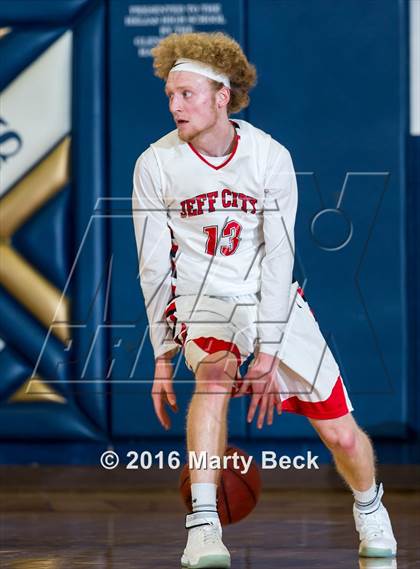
(415, 67)
(35, 111)
(155, 21)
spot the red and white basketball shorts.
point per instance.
(309, 378)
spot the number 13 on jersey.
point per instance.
(232, 230)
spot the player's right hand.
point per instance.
(162, 391)
(261, 381)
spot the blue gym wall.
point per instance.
(333, 88)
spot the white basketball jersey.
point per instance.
(230, 225)
(215, 212)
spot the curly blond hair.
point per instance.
(216, 49)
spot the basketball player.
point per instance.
(214, 209)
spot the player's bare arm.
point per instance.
(163, 393)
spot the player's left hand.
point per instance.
(261, 381)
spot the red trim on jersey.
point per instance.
(333, 407)
(212, 345)
(174, 249)
(300, 291)
(183, 334)
(170, 308)
(228, 159)
(302, 294)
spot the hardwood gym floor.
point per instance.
(312, 529)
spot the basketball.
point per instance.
(237, 493)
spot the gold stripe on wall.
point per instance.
(35, 189)
(4, 32)
(33, 290)
(34, 389)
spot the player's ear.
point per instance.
(223, 97)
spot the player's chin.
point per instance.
(186, 133)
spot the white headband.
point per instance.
(201, 68)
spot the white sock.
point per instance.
(203, 497)
(368, 500)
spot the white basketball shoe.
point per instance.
(204, 545)
(375, 531)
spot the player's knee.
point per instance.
(347, 441)
(343, 440)
(215, 377)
